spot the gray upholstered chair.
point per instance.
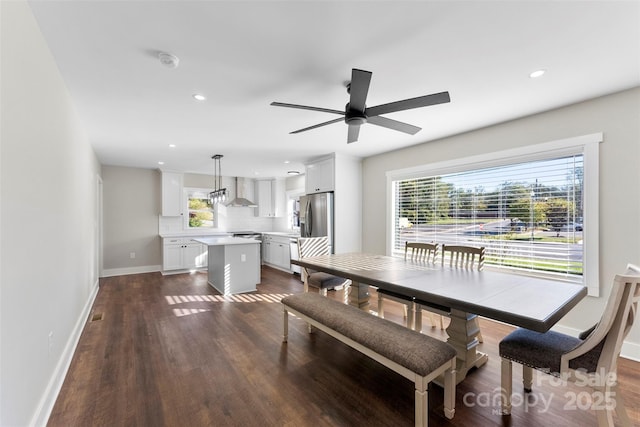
(456, 256)
(315, 246)
(413, 252)
(590, 359)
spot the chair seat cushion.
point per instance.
(543, 351)
(538, 350)
(322, 280)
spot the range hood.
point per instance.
(240, 201)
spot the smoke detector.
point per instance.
(168, 60)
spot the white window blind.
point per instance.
(527, 211)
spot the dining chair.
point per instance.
(456, 256)
(316, 246)
(413, 252)
(463, 256)
(587, 360)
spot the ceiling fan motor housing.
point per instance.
(354, 117)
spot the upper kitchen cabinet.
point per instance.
(172, 183)
(320, 176)
(270, 195)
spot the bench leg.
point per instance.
(422, 407)
(285, 323)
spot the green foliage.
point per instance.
(559, 213)
(200, 212)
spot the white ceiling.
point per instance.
(245, 54)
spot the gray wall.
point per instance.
(616, 116)
(49, 225)
(132, 203)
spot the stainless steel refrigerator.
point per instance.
(316, 216)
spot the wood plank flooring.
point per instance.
(170, 351)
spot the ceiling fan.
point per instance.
(356, 113)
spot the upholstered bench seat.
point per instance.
(416, 356)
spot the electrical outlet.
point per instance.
(132, 255)
(243, 258)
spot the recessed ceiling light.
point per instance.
(293, 173)
(537, 73)
(199, 97)
(286, 162)
(161, 163)
(172, 145)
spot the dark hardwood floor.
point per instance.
(169, 351)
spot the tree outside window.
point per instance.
(200, 210)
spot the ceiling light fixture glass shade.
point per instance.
(218, 194)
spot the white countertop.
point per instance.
(282, 233)
(198, 234)
(223, 241)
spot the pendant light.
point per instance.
(218, 194)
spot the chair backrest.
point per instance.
(601, 349)
(463, 256)
(313, 246)
(421, 252)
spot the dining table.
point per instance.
(526, 301)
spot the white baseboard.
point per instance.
(110, 272)
(45, 406)
(629, 349)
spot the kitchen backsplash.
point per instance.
(229, 219)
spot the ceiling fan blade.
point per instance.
(408, 104)
(318, 125)
(306, 107)
(393, 124)
(354, 131)
(358, 89)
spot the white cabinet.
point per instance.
(270, 196)
(320, 176)
(172, 194)
(265, 199)
(276, 251)
(182, 253)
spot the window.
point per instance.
(527, 207)
(293, 209)
(199, 208)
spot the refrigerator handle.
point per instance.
(309, 219)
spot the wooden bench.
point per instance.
(413, 355)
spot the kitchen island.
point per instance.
(234, 264)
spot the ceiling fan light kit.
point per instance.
(356, 113)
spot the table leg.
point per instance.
(462, 331)
(359, 295)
